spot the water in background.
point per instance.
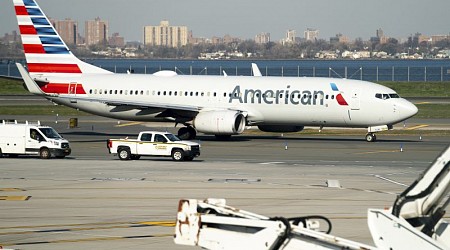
(368, 70)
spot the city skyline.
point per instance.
(245, 20)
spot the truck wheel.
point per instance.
(44, 153)
(124, 154)
(177, 155)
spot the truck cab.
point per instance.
(31, 139)
(154, 143)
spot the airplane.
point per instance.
(217, 105)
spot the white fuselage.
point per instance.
(265, 100)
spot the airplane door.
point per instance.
(72, 91)
(355, 100)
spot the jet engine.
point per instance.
(280, 128)
(224, 122)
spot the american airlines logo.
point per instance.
(339, 98)
(286, 96)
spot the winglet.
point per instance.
(29, 82)
(255, 70)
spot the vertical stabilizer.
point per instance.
(45, 51)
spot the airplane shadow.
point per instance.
(279, 138)
(240, 138)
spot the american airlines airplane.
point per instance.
(216, 105)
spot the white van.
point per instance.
(31, 139)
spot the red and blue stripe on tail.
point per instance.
(45, 51)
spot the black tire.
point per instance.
(370, 137)
(177, 155)
(135, 157)
(124, 154)
(187, 133)
(192, 133)
(44, 153)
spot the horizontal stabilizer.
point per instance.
(29, 82)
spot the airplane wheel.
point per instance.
(370, 137)
(187, 133)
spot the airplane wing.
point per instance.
(133, 104)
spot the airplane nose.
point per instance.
(408, 109)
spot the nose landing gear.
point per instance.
(371, 137)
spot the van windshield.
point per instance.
(50, 133)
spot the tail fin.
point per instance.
(45, 51)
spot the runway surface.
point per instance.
(92, 200)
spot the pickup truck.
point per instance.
(154, 143)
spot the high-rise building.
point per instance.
(165, 35)
(380, 33)
(311, 34)
(116, 41)
(96, 32)
(339, 38)
(262, 38)
(67, 29)
(290, 37)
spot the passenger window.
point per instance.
(34, 134)
(146, 137)
(160, 138)
(90, 91)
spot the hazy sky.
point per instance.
(245, 19)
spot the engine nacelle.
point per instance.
(225, 122)
(280, 128)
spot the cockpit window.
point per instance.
(377, 95)
(385, 96)
(394, 95)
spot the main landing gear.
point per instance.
(371, 137)
(187, 133)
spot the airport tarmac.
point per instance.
(92, 200)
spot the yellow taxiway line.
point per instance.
(14, 198)
(417, 127)
(128, 124)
